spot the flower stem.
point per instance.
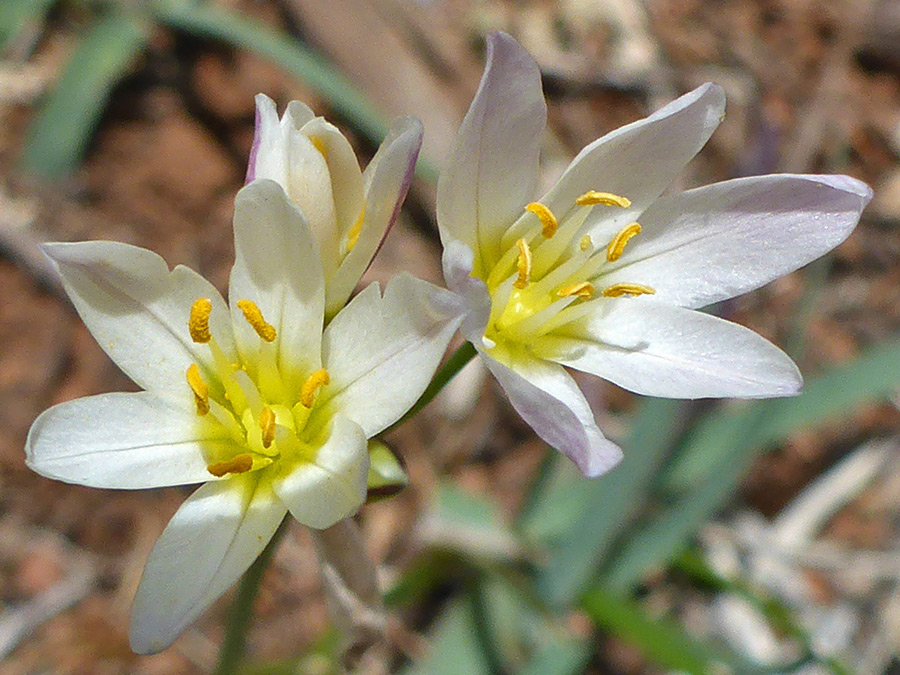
(241, 610)
(454, 364)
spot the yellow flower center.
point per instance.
(264, 418)
(551, 276)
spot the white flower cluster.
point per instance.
(267, 400)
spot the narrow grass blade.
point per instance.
(16, 15)
(59, 134)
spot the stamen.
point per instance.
(616, 246)
(198, 324)
(240, 464)
(592, 197)
(267, 426)
(354, 232)
(545, 215)
(618, 290)
(585, 242)
(585, 289)
(523, 264)
(198, 386)
(312, 385)
(255, 318)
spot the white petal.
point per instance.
(268, 154)
(659, 350)
(277, 266)
(457, 262)
(381, 352)
(334, 487)
(718, 241)
(138, 311)
(548, 399)
(492, 172)
(212, 539)
(387, 179)
(640, 160)
(123, 441)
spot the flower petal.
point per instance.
(277, 266)
(332, 488)
(138, 310)
(381, 352)
(548, 399)
(658, 350)
(387, 179)
(458, 261)
(719, 241)
(492, 172)
(211, 540)
(123, 441)
(269, 152)
(639, 160)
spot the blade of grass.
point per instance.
(16, 15)
(60, 133)
(344, 97)
(610, 503)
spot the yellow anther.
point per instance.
(255, 318)
(353, 234)
(545, 215)
(585, 289)
(523, 264)
(618, 290)
(240, 464)
(198, 386)
(267, 426)
(592, 197)
(616, 246)
(312, 385)
(585, 243)
(198, 324)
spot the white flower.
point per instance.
(602, 274)
(350, 211)
(252, 398)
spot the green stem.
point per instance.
(241, 610)
(454, 364)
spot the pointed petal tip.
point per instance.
(603, 457)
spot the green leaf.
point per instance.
(454, 644)
(59, 135)
(15, 15)
(610, 503)
(874, 375)
(387, 476)
(565, 656)
(660, 641)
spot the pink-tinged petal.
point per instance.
(458, 261)
(381, 352)
(209, 543)
(138, 311)
(725, 239)
(638, 161)
(387, 179)
(268, 154)
(124, 441)
(277, 266)
(492, 172)
(548, 399)
(333, 487)
(659, 350)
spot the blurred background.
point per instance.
(735, 538)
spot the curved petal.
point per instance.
(387, 179)
(123, 441)
(277, 266)
(639, 160)
(458, 261)
(210, 541)
(659, 350)
(269, 152)
(548, 399)
(719, 241)
(332, 488)
(381, 352)
(138, 310)
(492, 172)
